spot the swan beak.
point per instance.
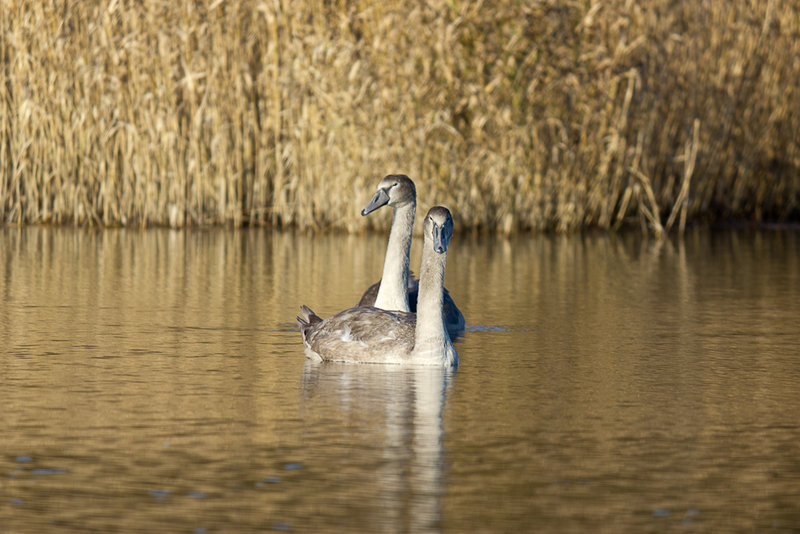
(440, 239)
(381, 198)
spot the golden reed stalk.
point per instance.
(546, 114)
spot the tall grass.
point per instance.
(548, 114)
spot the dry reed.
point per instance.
(535, 115)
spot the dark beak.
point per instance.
(440, 239)
(381, 198)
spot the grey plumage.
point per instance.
(363, 334)
(453, 319)
(398, 192)
(366, 334)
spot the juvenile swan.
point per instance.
(397, 290)
(366, 334)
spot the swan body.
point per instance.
(453, 319)
(397, 289)
(367, 334)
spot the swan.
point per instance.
(397, 289)
(366, 334)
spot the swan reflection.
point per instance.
(389, 421)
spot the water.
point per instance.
(155, 381)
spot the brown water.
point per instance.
(155, 381)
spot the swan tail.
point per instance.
(306, 319)
(309, 316)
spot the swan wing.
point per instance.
(363, 334)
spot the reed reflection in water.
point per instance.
(155, 380)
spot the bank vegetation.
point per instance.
(539, 115)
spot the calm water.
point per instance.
(155, 381)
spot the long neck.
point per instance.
(393, 292)
(431, 340)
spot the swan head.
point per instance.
(395, 190)
(438, 228)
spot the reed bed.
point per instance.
(541, 115)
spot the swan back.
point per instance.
(361, 335)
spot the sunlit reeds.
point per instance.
(518, 115)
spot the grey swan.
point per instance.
(366, 334)
(397, 289)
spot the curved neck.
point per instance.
(393, 292)
(431, 340)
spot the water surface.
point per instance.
(155, 381)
